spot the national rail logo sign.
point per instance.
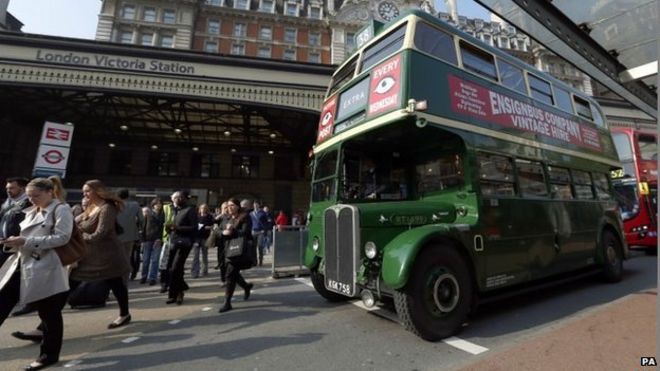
(53, 153)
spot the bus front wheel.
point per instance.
(435, 302)
(613, 257)
(318, 281)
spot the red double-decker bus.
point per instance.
(637, 185)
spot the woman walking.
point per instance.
(239, 229)
(34, 274)
(106, 259)
(205, 224)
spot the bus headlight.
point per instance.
(370, 250)
(315, 244)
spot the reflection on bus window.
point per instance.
(648, 148)
(435, 42)
(560, 183)
(496, 175)
(323, 188)
(439, 174)
(627, 198)
(531, 178)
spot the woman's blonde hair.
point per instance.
(42, 184)
(108, 196)
(58, 189)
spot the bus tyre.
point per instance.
(435, 302)
(611, 251)
(318, 280)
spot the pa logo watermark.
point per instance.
(648, 361)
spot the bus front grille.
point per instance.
(341, 242)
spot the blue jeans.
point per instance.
(150, 257)
(200, 247)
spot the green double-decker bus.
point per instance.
(447, 171)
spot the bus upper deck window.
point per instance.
(582, 107)
(435, 42)
(598, 117)
(540, 89)
(511, 76)
(563, 99)
(383, 48)
(478, 61)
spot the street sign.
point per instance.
(53, 153)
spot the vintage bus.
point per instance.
(636, 186)
(446, 171)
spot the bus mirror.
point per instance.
(420, 122)
(643, 188)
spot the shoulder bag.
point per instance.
(238, 252)
(75, 249)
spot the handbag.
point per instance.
(75, 249)
(238, 252)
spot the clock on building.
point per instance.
(387, 10)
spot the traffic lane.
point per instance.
(284, 326)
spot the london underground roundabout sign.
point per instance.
(53, 157)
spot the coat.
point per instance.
(42, 273)
(105, 255)
(130, 219)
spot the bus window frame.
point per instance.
(518, 161)
(473, 47)
(530, 77)
(575, 184)
(578, 103)
(480, 180)
(414, 46)
(403, 24)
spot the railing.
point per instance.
(289, 242)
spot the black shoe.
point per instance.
(163, 289)
(120, 321)
(216, 267)
(226, 307)
(143, 280)
(179, 298)
(24, 310)
(152, 283)
(23, 336)
(133, 276)
(247, 289)
(40, 364)
(171, 301)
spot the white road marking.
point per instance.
(174, 321)
(73, 363)
(465, 345)
(304, 281)
(130, 340)
(206, 309)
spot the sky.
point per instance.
(78, 18)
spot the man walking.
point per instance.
(130, 219)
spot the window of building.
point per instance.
(531, 178)
(582, 107)
(147, 39)
(244, 166)
(240, 29)
(582, 185)
(213, 2)
(504, 43)
(126, 37)
(283, 169)
(435, 42)
(120, 162)
(205, 165)
(314, 57)
(540, 89)
(211, 47)
(290, 35)
(163, 164)
(213, 26)
(315, 12)
(289, 55)
(560, 183)
(487, 39)
(512, 77)
(128, 11)
(350, 41)
(478, 61)
(166, 41)
(149, 14)
(315, 38)
(238, 49)
(264, 52)
(84, 164)
(242, 4)
(267, 6)
(291, 9)
(563, 99)
(496, 175)
(265, 32)
(169, 16)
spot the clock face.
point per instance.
(387, 10)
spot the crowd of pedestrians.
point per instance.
(122, 240)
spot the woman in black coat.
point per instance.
(239, 226)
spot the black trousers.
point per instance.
(234, 278)
(135, 259)
(220, 245)
(50, 313)
(176, 261)
(119, 290)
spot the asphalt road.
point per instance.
(286, 326)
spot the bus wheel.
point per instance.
(435, 302)
(613, 257)
(318, 280)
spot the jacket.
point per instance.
(105, 255)
(42, 273)
(152, 227)
(130, 218)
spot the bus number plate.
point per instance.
(342, 288)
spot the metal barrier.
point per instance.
(289, 242)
